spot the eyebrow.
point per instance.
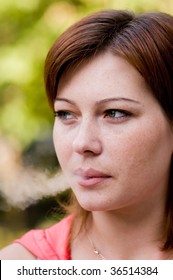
(117, 99)
(100, 102)
(65, 100)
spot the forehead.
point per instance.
(105, 75)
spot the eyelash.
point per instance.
(123, 113)
(63, 115)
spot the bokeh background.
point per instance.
(30, 178)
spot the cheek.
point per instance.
(58, 143)
(61, 144)
(143, 153)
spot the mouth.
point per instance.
(90, 177)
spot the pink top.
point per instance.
(51, 243)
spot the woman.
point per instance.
(109, 81)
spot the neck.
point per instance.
(121, 235)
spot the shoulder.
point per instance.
(16, 251)
(48, 244)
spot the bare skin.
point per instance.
(16, 252)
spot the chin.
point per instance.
(94, 206)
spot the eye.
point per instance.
(116, 114)
(64, 115)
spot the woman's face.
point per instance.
(111, 136)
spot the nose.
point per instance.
(86, 139)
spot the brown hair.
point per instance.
(144, 40)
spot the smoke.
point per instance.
(21, 186)
(28, 186)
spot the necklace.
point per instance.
(95, 251)
(101, 257)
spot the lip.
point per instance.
(90, 177)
